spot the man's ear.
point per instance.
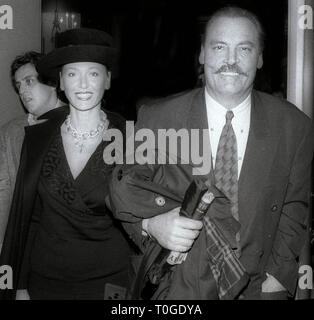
(61, 81)
(260, 61)
(201, 57)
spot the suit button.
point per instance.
(160, 201)
(274, 208)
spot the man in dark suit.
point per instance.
(267, 144)
(38, 96)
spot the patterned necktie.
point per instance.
(226, 167)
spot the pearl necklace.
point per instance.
(81, 137)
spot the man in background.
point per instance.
(38, 97)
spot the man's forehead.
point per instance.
(25, 71)
(234, 27)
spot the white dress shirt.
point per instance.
(216, 117)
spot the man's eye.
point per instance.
(71, 74)
(95, 74)
(245, 49)
(218, 48)
(29, 81)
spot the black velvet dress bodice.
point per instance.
(79, 247)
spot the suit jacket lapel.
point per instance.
(257, 162)
(197, 116)
(197, 119)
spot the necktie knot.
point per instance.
(229, 116)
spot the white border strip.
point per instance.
(295, 55)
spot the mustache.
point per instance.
(233, 68)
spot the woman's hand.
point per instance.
(22, 295)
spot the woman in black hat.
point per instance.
(62, 241)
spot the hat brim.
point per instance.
(49, 66)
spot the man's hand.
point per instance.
(173, 231)
(271, 284)
(22, 295)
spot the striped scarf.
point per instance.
(228, 272)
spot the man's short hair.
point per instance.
(238, 12)
(28, 57)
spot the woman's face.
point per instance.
(84, 84)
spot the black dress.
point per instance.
(79, 251)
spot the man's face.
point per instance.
(84, 83)
(35, 96)
(230, 55)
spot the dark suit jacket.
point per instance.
(11, 140)
(274, 185)
(19, 230)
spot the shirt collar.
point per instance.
(214, 106)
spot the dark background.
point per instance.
(159, 43)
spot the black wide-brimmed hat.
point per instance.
(79, 45)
